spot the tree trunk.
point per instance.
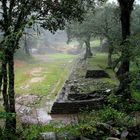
(88, 53)
(4, 90)
(1, 76)
(110, 51)
(101, 43)
(11, 123)
(125, 21)
(123, 71)
(9, 95)
(26, 47)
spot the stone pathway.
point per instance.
(29, 113)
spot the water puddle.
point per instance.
(43, 116)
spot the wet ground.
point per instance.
(28, 113)
(34, 109)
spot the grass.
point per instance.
(61, 56)
(97, 62)
(51, 71)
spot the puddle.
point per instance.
(43, 116)
(38, 116)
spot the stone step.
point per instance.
(70, 107)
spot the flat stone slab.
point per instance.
(96, 74)
(71, 107)
(88, 96)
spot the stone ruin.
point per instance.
(69, 102)
(96, 74)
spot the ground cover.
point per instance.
(39, 75)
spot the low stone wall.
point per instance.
(71, 107)
(97, 74)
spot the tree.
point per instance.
(107, 26)
(16, 15)
(126, 7)
(103, 23)
(82, 32)
(135, 24)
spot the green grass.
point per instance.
(99, 61)
(51, 72)
(61, 56)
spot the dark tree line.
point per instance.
(110, 22)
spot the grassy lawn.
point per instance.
(61, 56)
(39, 77)
(98, 61)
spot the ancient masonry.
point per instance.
(70, 100)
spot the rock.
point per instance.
(67, 136)
(27, 99)
(73, 87)
(43, 116)
(137, 116)
(108, 90)
(134, 132)
(96, 74)
(112, 138)
(83, 138)
(75, 81)
(48, 136)
(124, 135)
(26, 119)
(21, 109)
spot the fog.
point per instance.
(47, 42)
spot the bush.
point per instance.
(94, 124)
